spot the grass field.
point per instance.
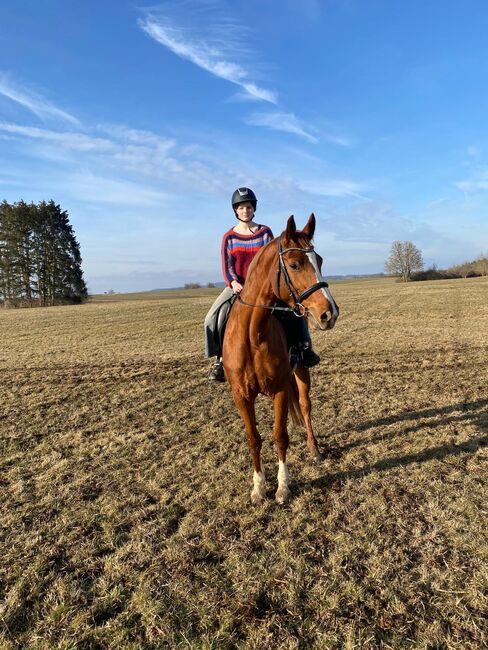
(126, 519)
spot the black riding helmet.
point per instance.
(242, 195)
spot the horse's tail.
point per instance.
(294, 404)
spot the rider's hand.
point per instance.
(236, 286)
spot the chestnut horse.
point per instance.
(255, 350)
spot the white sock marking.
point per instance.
(283, 476)
(259, 482)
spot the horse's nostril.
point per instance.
(324, 315)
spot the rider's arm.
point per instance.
(228, 262)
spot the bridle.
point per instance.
(299, 310)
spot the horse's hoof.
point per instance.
(282, 495)
(317, 457)
(257, 498)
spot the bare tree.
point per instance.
(405, 258)
(481, 264)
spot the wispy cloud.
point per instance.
(88, 188)
(339, 140)
(335, 188)
(210, 48)
(67, 139)
(33, 102)
(131, 161)
(479, 183)
(377, 222)
(125, 150)
(281, 121)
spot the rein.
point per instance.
(298, 310)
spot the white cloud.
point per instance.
(477, 184)
(131, 150)
(66, 139)
(118, 152)
(207, 52)
(339, 140)
(88, 188)
(33, 102)
(378, 223)
(334, 187)
(281, 121)
(137, 136)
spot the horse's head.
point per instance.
(299, 280)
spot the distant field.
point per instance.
(125, 479)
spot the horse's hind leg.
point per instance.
(281, 441)
(248, 414)
(302, 376)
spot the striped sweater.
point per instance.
(238, 251)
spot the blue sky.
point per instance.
(142, 120)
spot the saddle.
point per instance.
(292, 326)
(221, 320)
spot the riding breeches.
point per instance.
(211, 334)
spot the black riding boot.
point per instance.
(309, 358)
(298, 340)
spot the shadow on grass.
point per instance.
(423, 413)
(432, 453)
(470, 414)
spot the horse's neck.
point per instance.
(258, 290)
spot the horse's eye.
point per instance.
(295, 266)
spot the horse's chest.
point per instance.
(269, 372)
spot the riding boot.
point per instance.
(216, 372)
(309, 357)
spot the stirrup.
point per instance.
(216, 372)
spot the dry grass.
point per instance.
(125, 513)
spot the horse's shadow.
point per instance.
(472, 414)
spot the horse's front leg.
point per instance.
(302, 376)
(248, 414)
(280, 434)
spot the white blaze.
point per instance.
(325, 290)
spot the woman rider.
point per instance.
(239, 246)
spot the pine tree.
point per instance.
(40, 260)
(7, 258)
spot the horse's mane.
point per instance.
(259, 254)
(299, 238)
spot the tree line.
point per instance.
(40, 260)
(406, 262)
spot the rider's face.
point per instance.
(245, 211)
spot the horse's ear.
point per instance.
(310, 227)
(290, 228)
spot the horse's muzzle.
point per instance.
(328, 319)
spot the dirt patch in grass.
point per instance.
(125, 479)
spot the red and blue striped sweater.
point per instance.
(238, 252)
